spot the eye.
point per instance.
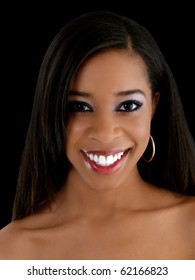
(79, 106)
(129, 106)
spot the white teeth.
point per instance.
(105, 161)
(91, 157)
(110, 160)
(95, 158)
(102, 160)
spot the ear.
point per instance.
(155, 100)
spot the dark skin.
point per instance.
(107, 212)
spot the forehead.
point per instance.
(111, 69)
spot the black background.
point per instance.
(27, 30)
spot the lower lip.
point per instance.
(105, 170)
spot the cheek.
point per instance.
(139, 124)
(138, 130)
(75, 130)
(143, 135)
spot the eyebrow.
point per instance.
(129, 92)
(120, 93)
(79, 93)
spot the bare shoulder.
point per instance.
(177, 214)
(184, 211)
(14, 240)
(190, 201)
(187, 208)
(9, 240)
(19, 238)
(173, 219)
(186, 218)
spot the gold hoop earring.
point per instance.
(153, 150)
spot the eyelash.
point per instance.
(83, 107)
(130, 103)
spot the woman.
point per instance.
(108, 168)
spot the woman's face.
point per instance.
(110, 112)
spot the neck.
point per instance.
(78, 197)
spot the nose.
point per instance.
(105, 129)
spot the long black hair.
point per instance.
(44, 165)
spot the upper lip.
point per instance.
(105, 152)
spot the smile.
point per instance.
(105, 162)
